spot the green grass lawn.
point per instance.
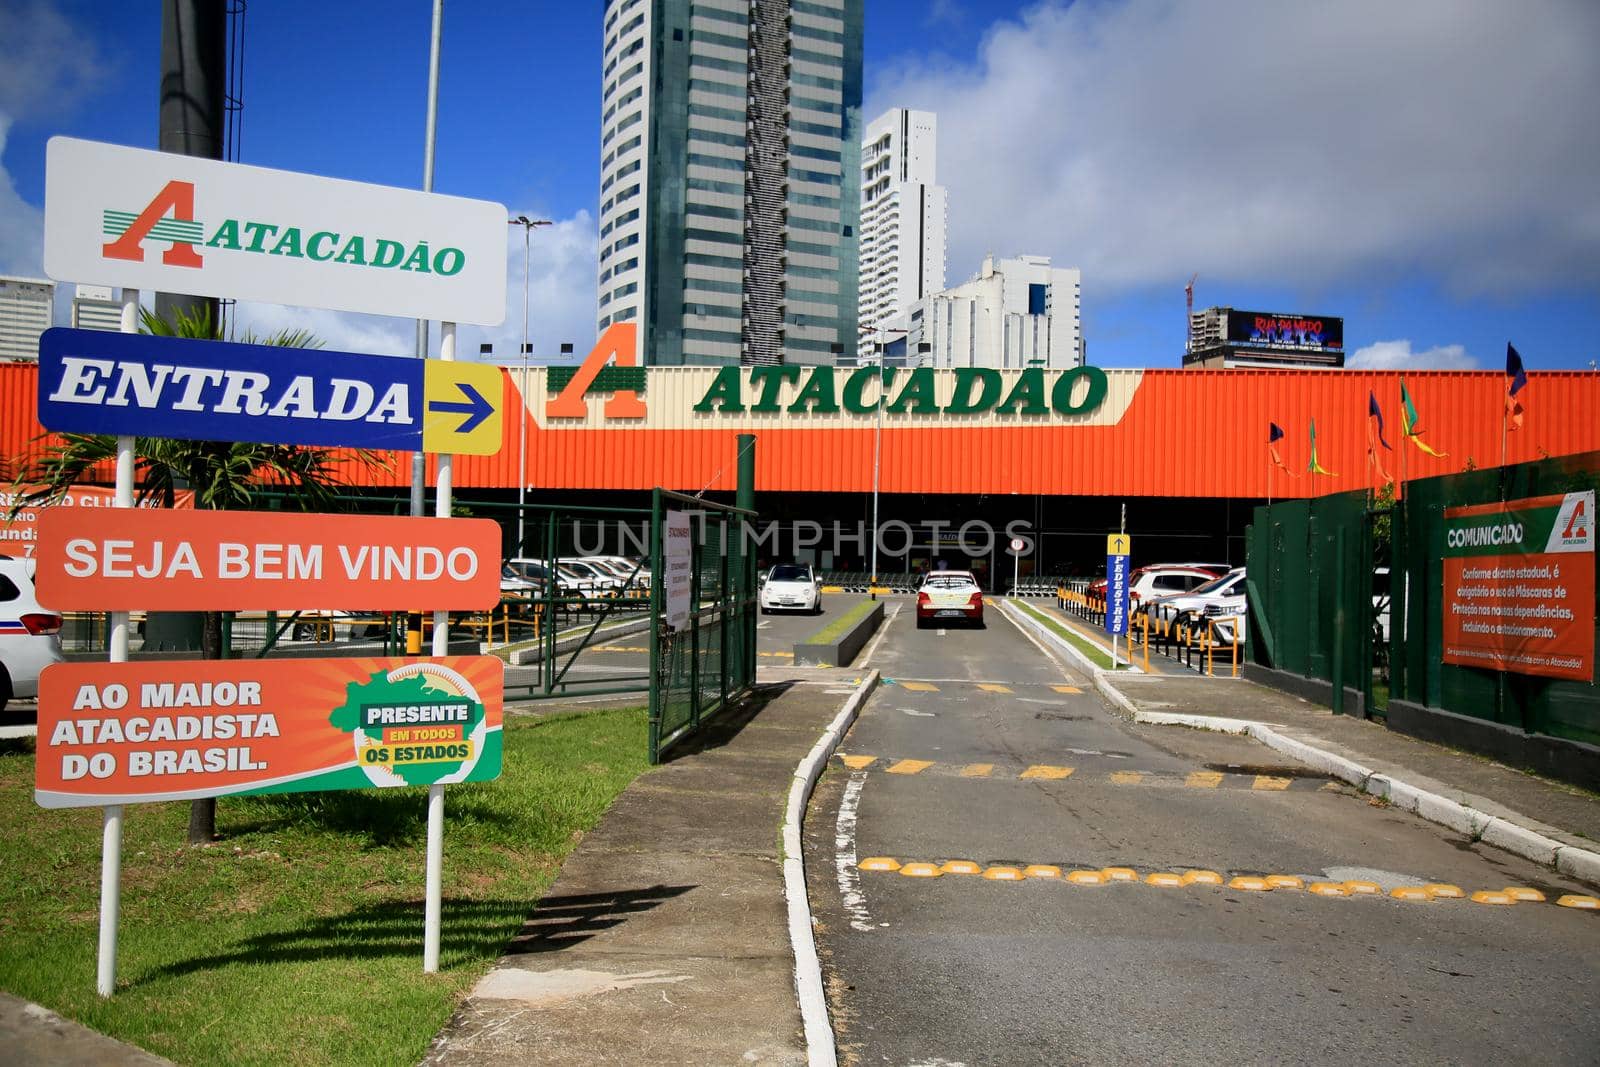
(835, 629)
(1096, 653)
(298, 937)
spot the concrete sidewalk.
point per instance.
(41, 1038)
(1545, 821)
(665, 939)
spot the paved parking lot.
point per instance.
(981, 753)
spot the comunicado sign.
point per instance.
(153, 220)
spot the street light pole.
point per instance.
(527, 225)
(877, 453)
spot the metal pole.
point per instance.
(877, 452)
(111, 815)
(419, 460)
(522, 390)
(434, 878)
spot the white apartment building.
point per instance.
(95, 307)
(730, 141)
(26, 307)
(903, 217)
(1015, 313)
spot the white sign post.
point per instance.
(181, 224)
(676, 556)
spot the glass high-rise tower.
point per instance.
(729, 178)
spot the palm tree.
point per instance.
(224, 475)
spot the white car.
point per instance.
(791, 587)
(946, 596)
(30, 635)
(632, 573)
(1225, 594)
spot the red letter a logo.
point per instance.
(178, 198)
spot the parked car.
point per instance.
(1161, 579)
(30, 635)
(601, 579)
(568, 583)
(1226, 594)
(949, 596)
(791, 586)
(633, 574)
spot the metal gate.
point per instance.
(702, 666)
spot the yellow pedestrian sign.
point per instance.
(1119, 545)
(461, 408)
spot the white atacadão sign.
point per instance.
(675, 555)
(178, 224)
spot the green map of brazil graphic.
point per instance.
(432, 704)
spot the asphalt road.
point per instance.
(975, 748)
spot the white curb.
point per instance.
(1574, 862)
(1094, 670)
(820, 1051)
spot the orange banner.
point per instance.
(120, 733)
(264, 561)
(20, 536)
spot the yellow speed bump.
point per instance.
(920, 870)
(1577, 900)
(1444, 891)
(1003, 874)
(1041, 870)
(1201, 878)
(1047, 772)
(1523, 893)
(1165, 880)
(977, 770)
(1493, 896)
(1267, 781)
(879, 863)
(1127, 777)
(1285, 881)
(1411, 892)
(1203, 779)
(1358, 888)
(911, 766)
(1087, 877)
(1120, 874)
(1252, 883)
(1328, 889)
(857, 763)
(961, 867)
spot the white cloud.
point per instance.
(21, 224)
(1252, 140)
(48, 65)
(1398, 355)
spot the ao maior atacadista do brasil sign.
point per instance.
(118, 733)
(1519, 586)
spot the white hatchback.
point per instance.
(30, 635)
(791, 587)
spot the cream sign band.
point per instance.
(153, 220)
(622, 391)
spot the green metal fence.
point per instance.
(1311, 591)
(1533, 704)
(702, 667)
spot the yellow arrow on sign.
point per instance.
(1118, 545)
(461, 408)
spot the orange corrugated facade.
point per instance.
(1184, 433)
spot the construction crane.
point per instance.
(1188, 316)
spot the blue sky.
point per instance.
(1419, 169)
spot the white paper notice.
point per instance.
(679, 577)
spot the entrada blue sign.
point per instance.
(92, 381)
